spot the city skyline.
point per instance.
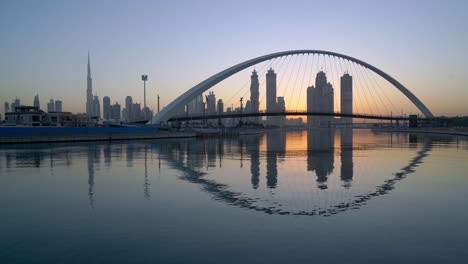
(418, 62)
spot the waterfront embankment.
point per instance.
(16, 135)
(423, 130)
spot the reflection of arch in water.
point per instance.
(221, 191)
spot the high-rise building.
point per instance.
(281, 108)
(320, 100)
(254, 95)
(128, 108)
(6, 108)
(347, 97)
(211, 103)
(115, 109)
(220, 106)
(106, 108)
(58, 106)
(36, 102)
(96, 107)
(196, 106)
(271, 105)
(51, 106)
(136, 112)
(90, 106)
(15, 104)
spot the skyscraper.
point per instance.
(106, 108)
(281, 107)
(320, 100)
(220, 106)
(254, 95)
(6, 107)
(36, 102)
(196, 106)
(15, 104)
(128, 108)
(136, 112)
(96, 106)
(271, 95)
(58, 106)
(89, 93)
(211, 103)
(51, 106)
(347, 97)
(115, 111)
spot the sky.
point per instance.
(178, 44)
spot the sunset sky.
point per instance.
(178, 44)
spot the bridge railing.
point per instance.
(187, 117)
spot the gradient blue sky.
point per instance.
(44, 44)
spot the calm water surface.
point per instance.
(324, 196)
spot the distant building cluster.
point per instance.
(320, 99)
(33, 116)
(132, 112)
(16, 113)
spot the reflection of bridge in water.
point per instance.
(320, 159)
(195, 159)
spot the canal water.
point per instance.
(323, 196)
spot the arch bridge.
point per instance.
(169, 112)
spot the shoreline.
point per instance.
(32, 135)
(463, 133)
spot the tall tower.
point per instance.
(270, 94)
(106, 108)
(36, 101)
(58, 106)
(254, 94)
(89, 92)
(320, 99)
(281, 107)
(347, 97)
(129, 108)
(220, 106)
(211, 103)
(96, 107)
(6, 108)
(51, 106)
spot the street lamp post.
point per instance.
(144, 78)
(241, 99)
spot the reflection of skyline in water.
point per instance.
(320, 154)
(195, 158)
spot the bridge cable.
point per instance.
(245, 84)
(280, 83)
(361, 88)
(289, 78)
(339, 81)
(311, 71)
(262, 80)
(362, 80)
(277, 70)
(375, 90)
(333, 74)
(378, 85)
(295, 82)
(260, 74)
(302, 84)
